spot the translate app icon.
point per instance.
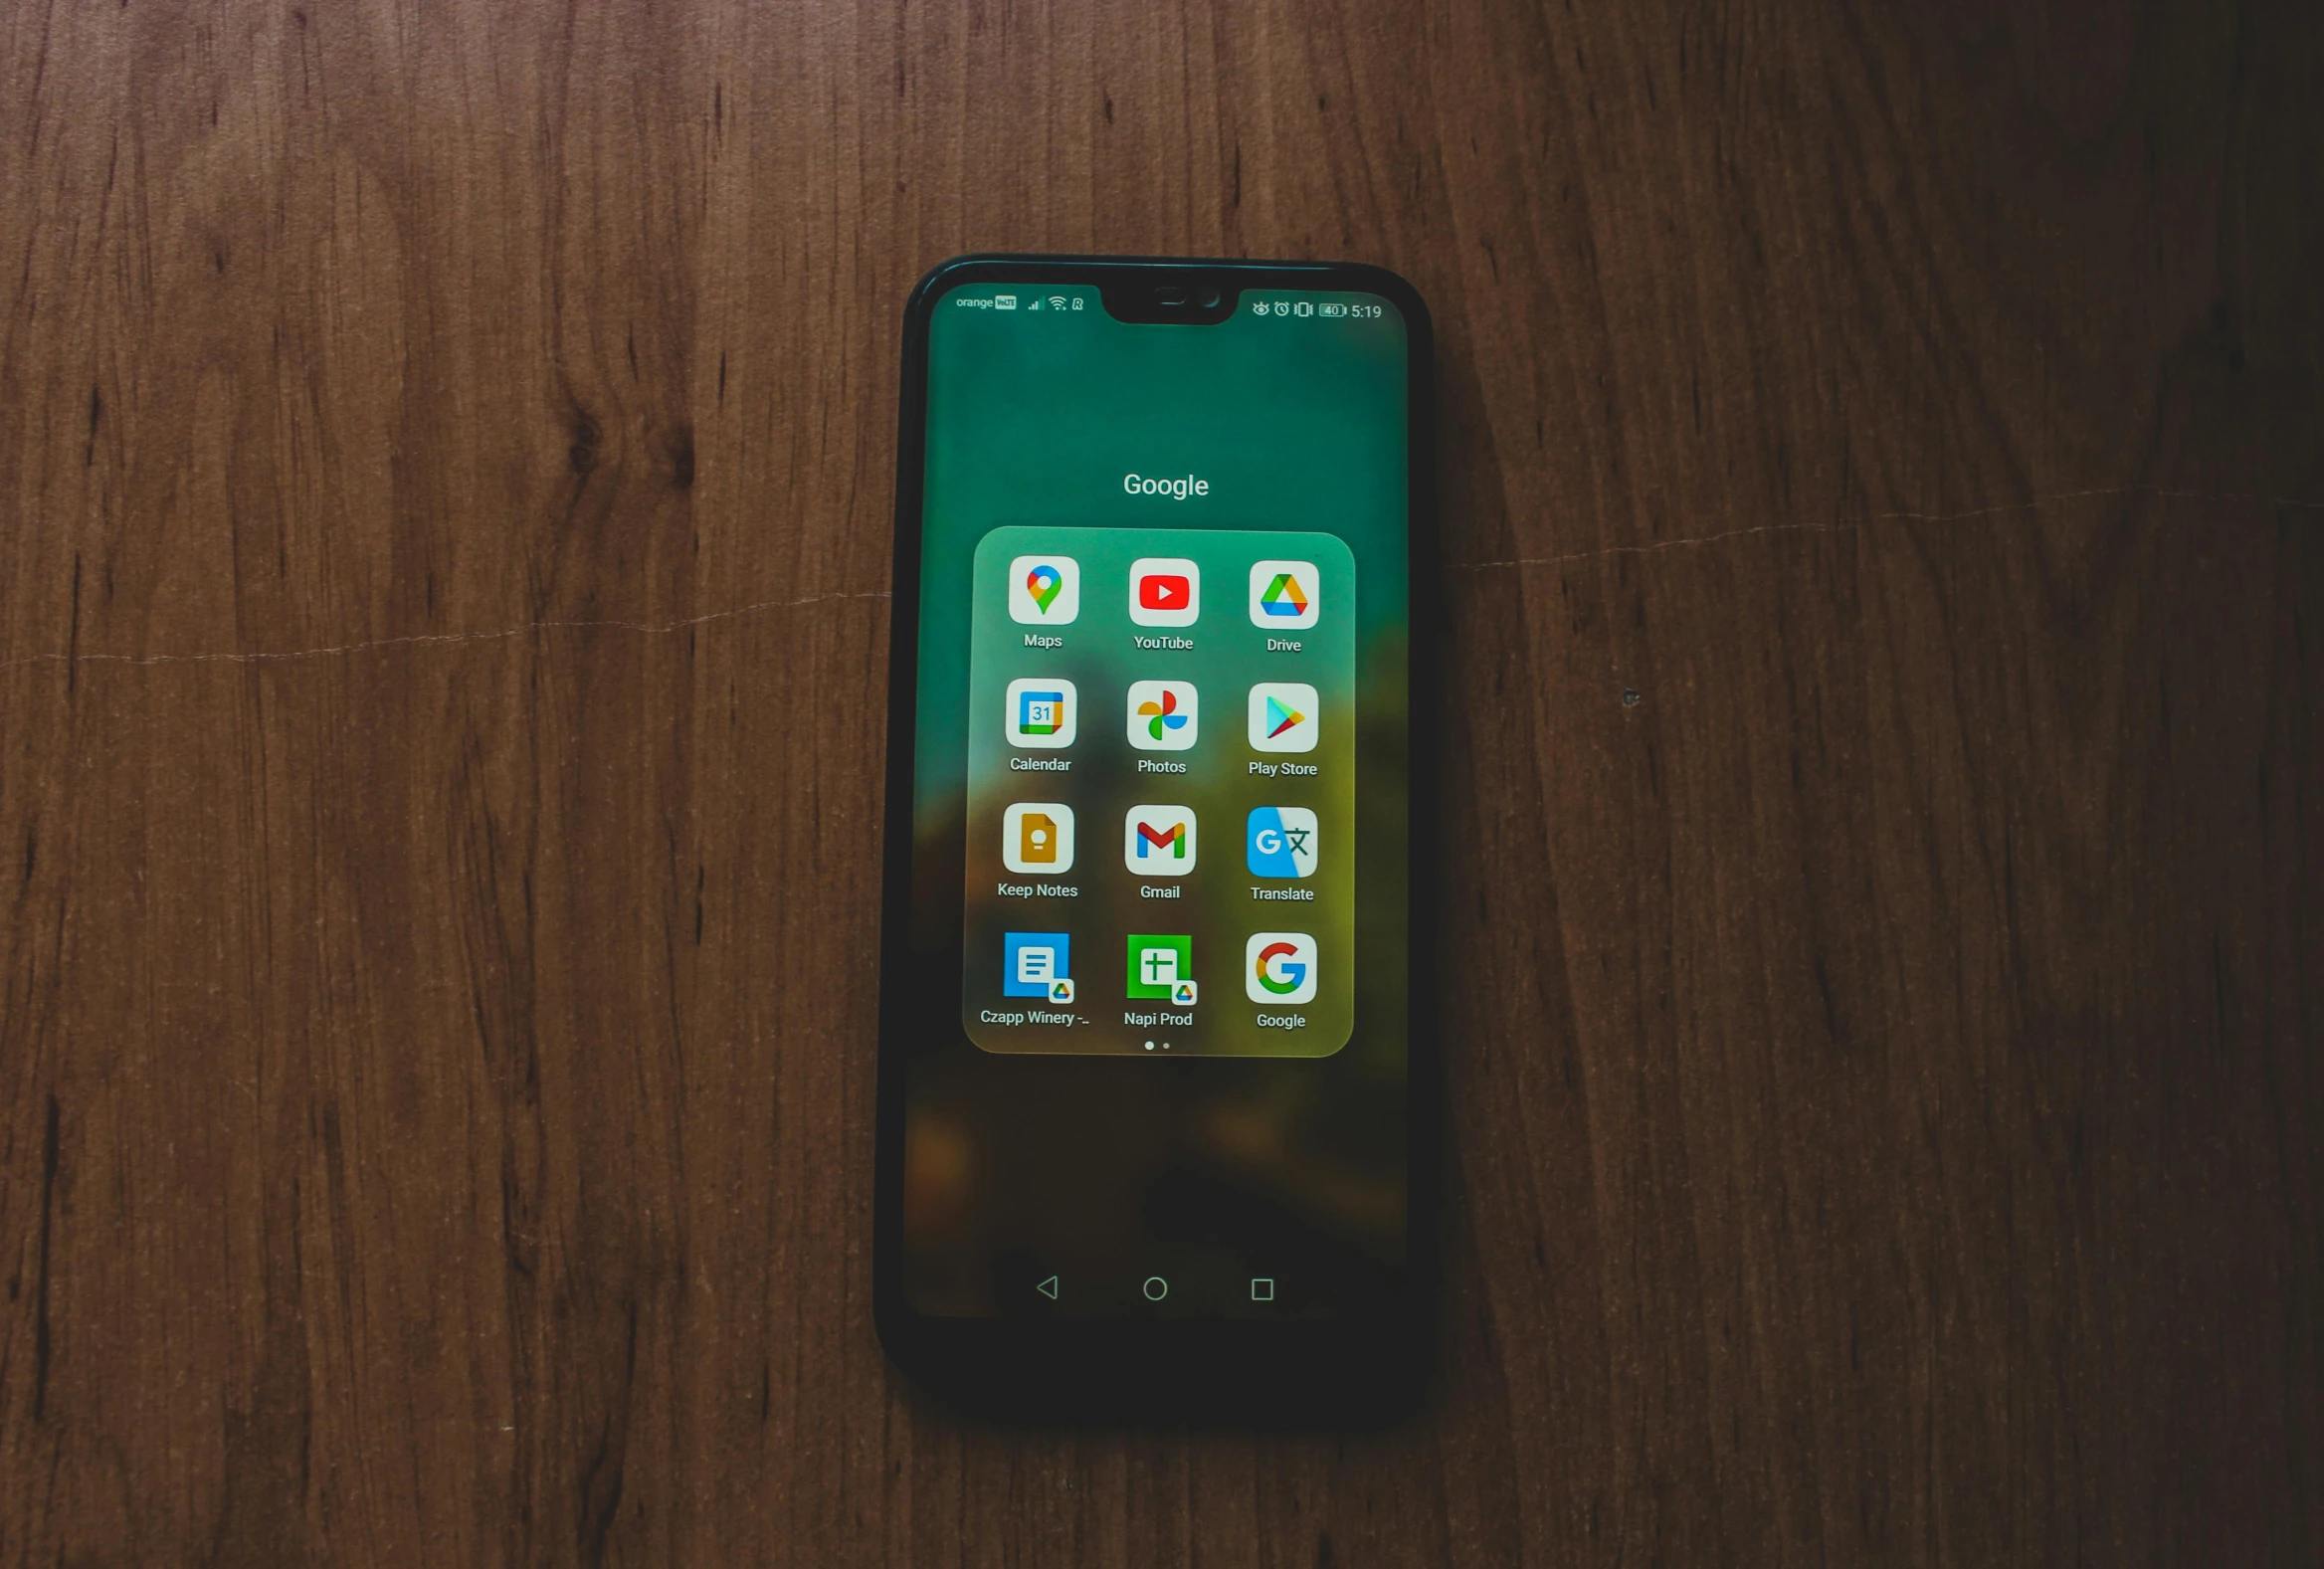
(1285, 594)
(1037, 964)
(1280, 841)
(1044, 591)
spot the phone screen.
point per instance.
(1156, 1060)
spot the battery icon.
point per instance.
(1004, 301)
(1330, 309)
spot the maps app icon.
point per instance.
(1044, 591)
(1281, 842)
(1284, 595)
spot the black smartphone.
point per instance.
(1154, 1081)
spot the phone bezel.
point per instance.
(1362, 1365)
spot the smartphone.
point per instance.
(1154, 1078)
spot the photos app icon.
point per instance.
(1162, 716)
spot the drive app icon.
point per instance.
(1165, 591)
(1285, 594)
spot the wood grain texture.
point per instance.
(445, 474)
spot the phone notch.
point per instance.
(1189, 300)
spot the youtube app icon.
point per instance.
(1165, 591)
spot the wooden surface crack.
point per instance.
(418, 639)
(1841, 525)
(1851, 524)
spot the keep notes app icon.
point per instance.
(1036, 838)
(1044, 712)
(1044, 591)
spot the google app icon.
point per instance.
(1278, 968)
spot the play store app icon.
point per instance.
(1282, 716)
(1284, 595)
(1044, 591)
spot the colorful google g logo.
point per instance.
(1272, 961)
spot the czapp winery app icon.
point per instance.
(1158, 841)
(1037, 964)
(1165, 591)
(1036, 838)
(1278, 968)
(1283, 716)
(1044, 591)
(1162, 716)
(1043, 712)
(1285, 595)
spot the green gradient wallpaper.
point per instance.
(1111, 848)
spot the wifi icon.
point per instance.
(1057, 301)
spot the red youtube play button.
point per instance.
(1164, 591)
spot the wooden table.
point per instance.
(444, 476)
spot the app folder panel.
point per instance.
(1126, 757)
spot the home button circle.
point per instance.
(1156, 1287)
